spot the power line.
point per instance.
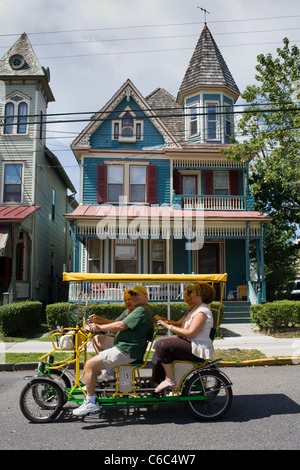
(145, 38)
(152, 25)
(158, 50)
(159, 116)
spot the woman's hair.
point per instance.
(206, 292)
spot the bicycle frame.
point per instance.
(136, 394)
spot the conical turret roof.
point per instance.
(20, 61)
(207, 67)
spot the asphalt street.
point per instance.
(265, 415)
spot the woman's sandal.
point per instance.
(165, 384)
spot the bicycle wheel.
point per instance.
(214, 392)
(41, 400)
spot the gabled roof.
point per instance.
(127, 90)
(165, 106)
(28, 65)
(207, 68)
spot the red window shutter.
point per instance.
(234, 182)
(208, 182)
(151, 184)
(177, 185)
(102, 183)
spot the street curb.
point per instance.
(269, 361)
(272, 361)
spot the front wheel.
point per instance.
(211, 392)
(41, 400)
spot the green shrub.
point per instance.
(255, 315)
(276, 315)
(61, 314)
(109, 311)
(295, 305)
(18, 318)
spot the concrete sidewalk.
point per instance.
(247, 336)
(235, 336)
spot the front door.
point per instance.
(209, 261)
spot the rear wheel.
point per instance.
(41, 400)
(211, 392)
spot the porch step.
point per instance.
(236, 311)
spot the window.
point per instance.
(12, 182)
(9, 118)
(212, 121)
(158, 256)
(15, 113)
(126, 256)
(127, 128)
(126, 179)
(138, 128)
(189, 184)
(53, 204)
(41, 125)
(116, 130)
(221, 182)
(22, 118)
(228, 121)
(94, 246)
(127, 125)
(114, 182)
(192, 121)
(137, 183)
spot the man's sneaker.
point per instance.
(87, 408)
(106, 376)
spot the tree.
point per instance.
(270, 140)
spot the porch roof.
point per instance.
(127, 211)
(16, 213)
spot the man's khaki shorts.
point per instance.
(112, 357)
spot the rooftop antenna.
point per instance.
(205, 11)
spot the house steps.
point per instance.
(236, 311)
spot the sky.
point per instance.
(93, 46)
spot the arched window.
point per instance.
(22, 118)
(16, 111)
(127, 125)
(9, 118)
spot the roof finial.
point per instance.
(205, 11)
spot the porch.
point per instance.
(114, 291)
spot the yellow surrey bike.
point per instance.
(205, 390)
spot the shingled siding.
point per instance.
(89, 193)
(102, 137)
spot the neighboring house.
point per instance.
(35, 242)
(151, 169)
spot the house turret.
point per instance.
(207, 94)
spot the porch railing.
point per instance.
(212, 202)
(114, 292)
(254, 292)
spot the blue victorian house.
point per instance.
(157, 195)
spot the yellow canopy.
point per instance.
(141, 278)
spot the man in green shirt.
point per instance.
(130, 345)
